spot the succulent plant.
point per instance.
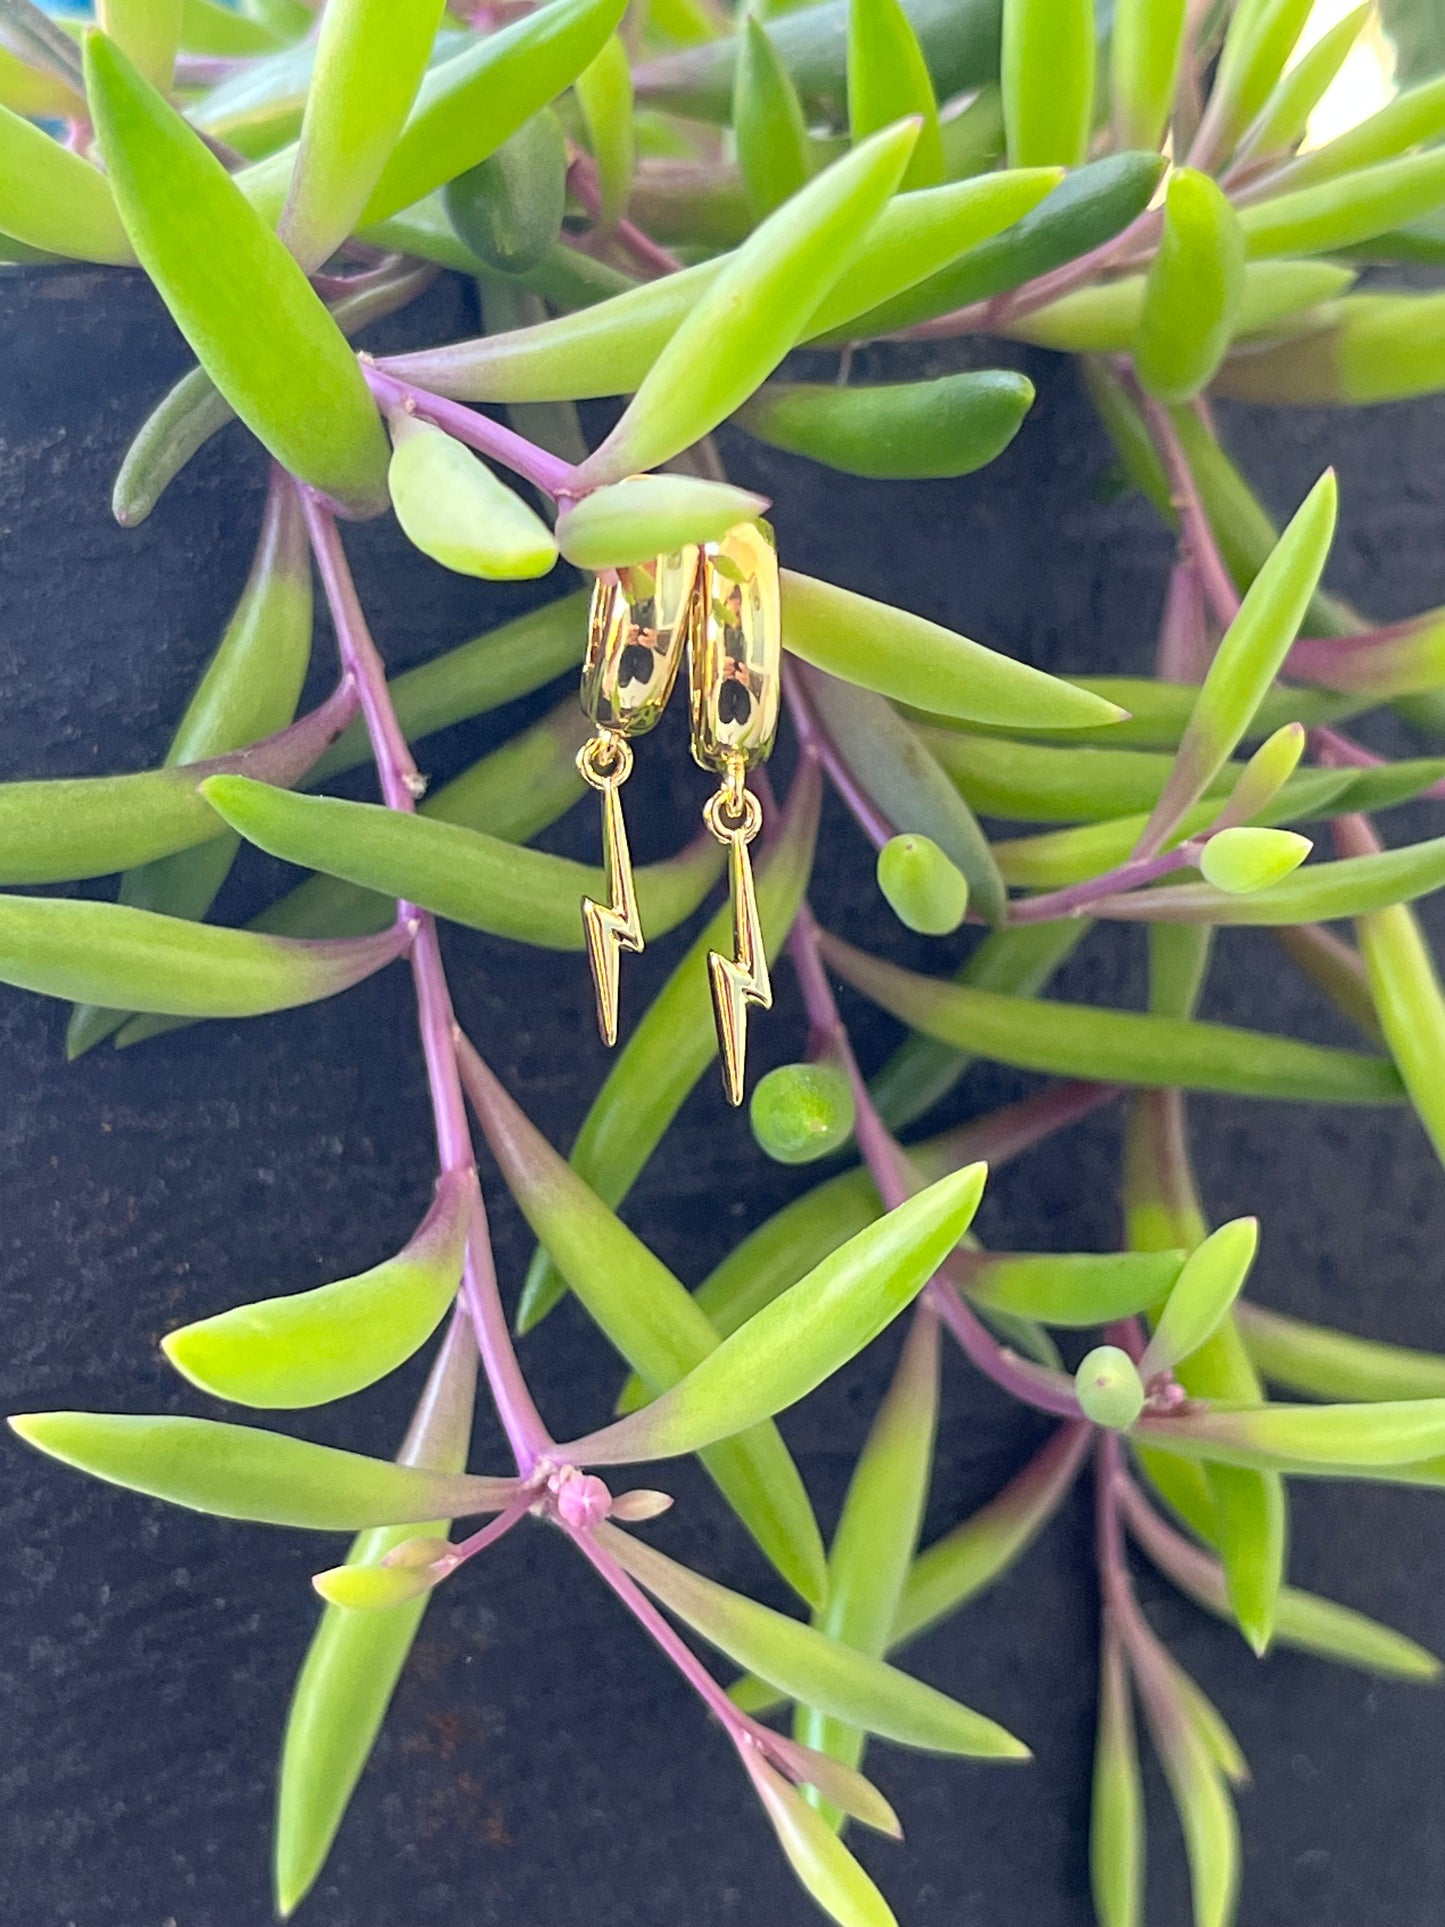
(704, 215)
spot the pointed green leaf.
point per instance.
(210, 27)
(789, 1347)
(951, 425)
(53, 199)
(604, 94)
(877, 1534)
(235, 1472)
(768, 124)
(374, 1588)
(808, 1666)
(1333, 1440)
(319, 1345)
(1069, 1289)
(250, 688)
(1330, 1364)
(650, 515)
(1284, 117)
(824, 1866)
(776, 278)
(1089, 207)
(651, 1318)
(147, 33)
(475, 677)
(355, 1659)
(1355, 886)
(1202, 1294)
(1340, 213)
(1117, 1826)
(918, 662)
(676, 1039)
(1104, 319)
(1245, 859)
(1259, 42)
(1048, 80)
(1248, 659)
(1194, 290)
(1405, 988)
(1114, 1046)
(460, 874)
(107, 953)
(1206, 1812)
(1414, 118)
(454, 509)
(370, 59)
(243, 303)
(888, 80)
(1303, 1620)
(1146, 50)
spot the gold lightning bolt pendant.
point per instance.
(741, 979)
(606, 762)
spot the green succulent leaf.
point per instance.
(1194, 290)
(107, 953)
(604, 94)
(1341, 1441)
(508, 209)
(924, 888)
(355, 1658)
(951, 425)
(888, 81)
(802, 1112)
(371, 56)
(460, 874)
(1117, 1822)
(1212, 1277)
(240, 299)
(1356, 886)
(776, 279)
(236, 1472)
(918, 662)
(824, 1866)
(1249, 658)
(768, 124)
(1114, 1046)
(55, 200)
(1340, 213)
(1069, 1289)
(1146, 51)
(790, 1346)
(808, 1666)
(315, 1346)
(650, 515)
(454, 509)
(1327, 1364)
(1048, 80)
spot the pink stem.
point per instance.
(547, 472)
(864, 811)
(649, 255)
(736, 1723)
(490, 1533)
(1074, 900)
(400, 786)
(1194, 527)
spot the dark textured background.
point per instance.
(541, 1768)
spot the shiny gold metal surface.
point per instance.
(736, 650)
(636, 634)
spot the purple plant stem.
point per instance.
(649, 255)
(545, 471)
(494, 1530)
(1076, 899)
(1195, 532)
(887, 1162)
(400, 785)
(1183, 651)
(734, 1720)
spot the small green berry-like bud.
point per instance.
(802, 1111)
(1110, 1391)
(925, 890)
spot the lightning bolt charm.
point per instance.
(606, 763)
(741, 979)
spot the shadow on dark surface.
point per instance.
(541, 1767)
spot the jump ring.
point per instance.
(727, 820)
(605, 760)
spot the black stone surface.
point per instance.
(541, 1768)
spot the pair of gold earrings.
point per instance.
(719, 602)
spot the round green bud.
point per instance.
(925, 890)
(802, 1111)
(1110, 1391)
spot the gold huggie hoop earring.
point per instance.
(635, 634)
(735, 666)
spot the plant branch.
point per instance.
(501, 444)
